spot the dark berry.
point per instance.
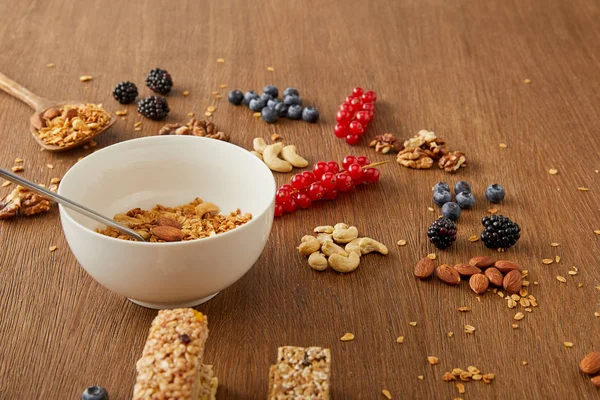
(249, 96)
(272, 103)
(441, 198)
(294, 112)
(451, 211)
(465, 200)
(235, 97)
(159, 81)
(495, 193)
(292, 100)
(441, 187)
(153, 107)
(462, 186)
(257, 105)
(125, 92)
(94, 393)
(442, 232)
(269, 115)
(499, 232)
(310, 114)
(272, 90)
(291, 92)
(281, 109)
(266, 97)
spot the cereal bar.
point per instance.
(171, 363)
(300, 374)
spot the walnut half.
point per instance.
(453, 161)
(415, 158)
(23, 202)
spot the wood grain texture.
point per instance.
(454, 67)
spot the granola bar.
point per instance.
(300, 374)
(171, 363)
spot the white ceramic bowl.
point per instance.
(168, 170)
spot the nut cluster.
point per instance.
(386, 143)
(425, 148)
(324, 250)
(22, 201)
(195, 127)
(271, 153)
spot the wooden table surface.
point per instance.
(454, 67)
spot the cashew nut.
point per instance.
(329, 248)
(344, 264)
(204, 208)
(343, 233)
(368, 245)
(317, 261)
(309, 245)
(354, 246)
(290, 154)
(270, 157)
(259, 145)
(257, 154)
(324, 229)
(321, 237)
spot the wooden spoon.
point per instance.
(40, 104)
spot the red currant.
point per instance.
(328, 180)
(303, 201)
(352, 139)
(344, 182)
(316, 191)
(348, 99)
(320, 168)
(289, 206)
(355, 171)
(356, 104)
(331, 194)
(341, 130)
(371, 175)
(333, 167)
(282, 195)
(287, 186)
(345, 107)
(343, 115)
(278, 210)
(362, 116)
(371, 115)
(357, 91)
(362, 160)
(347, 161)
(356, 128)
(368, 106)
(310, 177)
(299, 181)
(369, 96)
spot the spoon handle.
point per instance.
(14, 89)
(69, 204)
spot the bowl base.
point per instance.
(162, 306)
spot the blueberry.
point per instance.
(94, 393)
(257, 104)
(294, 112)
(291, 92)
(272, 90)
(441, 187)
(441, 198)
(272, 103)
(292, 100)
(235, 97)
(451, 210)
(462, 186)
(465, 199)
(266, 97)
(310, 114)
(269, 115)
(249, 96)
(495, 193)
(281, 109)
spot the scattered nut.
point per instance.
(324, 229)
(290, 154)
(479, 283)
(344, 264)
(317, 261)
(495, 276)
(513, 281)
(343, 233)
(466, 269)
(506, 266)
(271, 158)
(309, 245)
(329, 248)
(424, 268)
(482, 261)
(448, 275)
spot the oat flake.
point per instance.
(400, 339)
(431, 256)
(473, 238)
(347, 337)
(554, 244)
(387, 394)
(402, 242)
(568, 344)
(186, 93)
(503, 145)
(553, 171)
(52, 248)
(413, 323)
(561, 279)
(583, 189)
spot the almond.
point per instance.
(166, 221)
(51, 113)
(71, 113)
(448, 275)
(513, 281)
(590, 363)
(482, 261)
(505, 266)
(424, 268)
(37, 121)
(167, 233)
(495, 276)
(479, 283)
(596, 381)
(466, 269)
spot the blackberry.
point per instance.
(159, 81)
(153, 107)
(500, 232)
(125, 92)
(442, 232)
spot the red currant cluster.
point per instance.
(325, 181)
(354, 115)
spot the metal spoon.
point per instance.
(40, 104)
(69, 204)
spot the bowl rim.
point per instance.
(64, 211)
